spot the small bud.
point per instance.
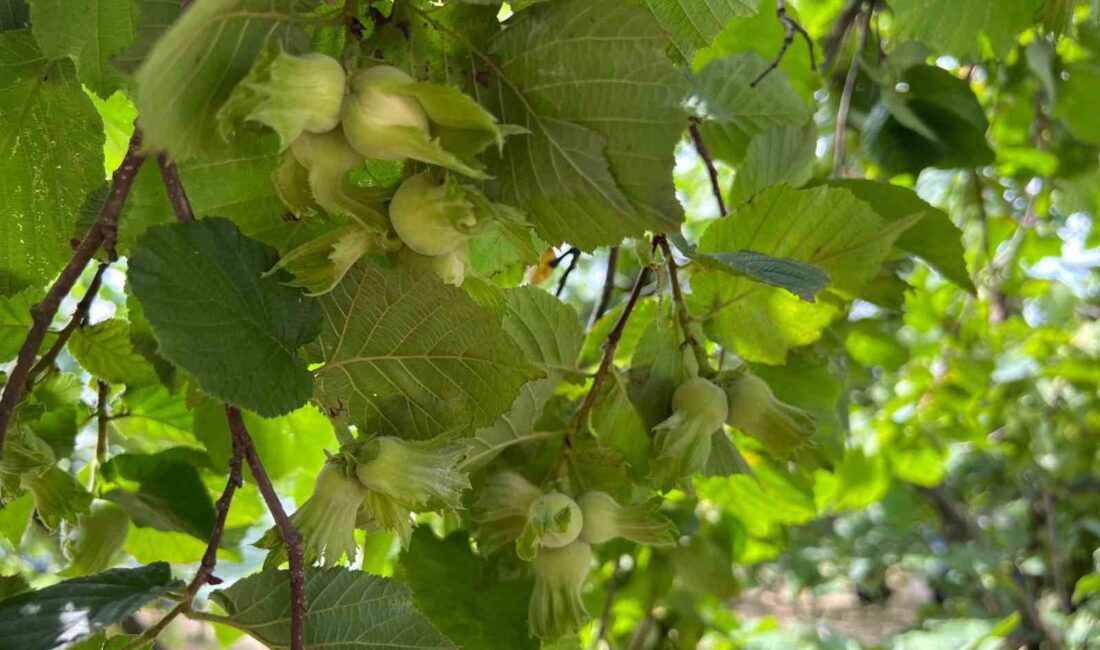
(96, 539)
(290, 94)
(556, 607)
(501, 509)
(553, 520)
(432, 218)
(753, 408)
(326, 520)
(683, 440)
(605, 519)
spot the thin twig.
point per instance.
(682, 313)
(103, 393)
(605, 615)
(79, 319)
(1065, 601)
(608, 353)
(845, 104)
(574, 255)
(790, 28)
(1029, 611)
(102, 232)
(712, 170)
(174, 188)
(205, 574)
(608, 287)
(641, 632)
(837, 35)
(292, 539)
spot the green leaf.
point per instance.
(955, 28)
(803, 280)
(549, 333)
(102, 642)
(104, 349)
(292, 442)
(405, 355)
(934, 238)
(693, 24)
(89, 32)
(235, 184)
(14, 14)
(771, 497)
(780, 155)
(937, 122)
(547, 330)
(16, 321)
(74, 609)
(13, 585)
(51, 157)
(656, 370)
(1077, 100)
(443, 575)
(735, 112)
(14, 518)
(644, 313)
(150, 544)
(347, 609)
(1087, 585)
(763, 34)
(152, 415)
(170, 495)
(215, 316)
(219, 40)
(602, 103)
(616, 424)
(826, 227)
(153, 19)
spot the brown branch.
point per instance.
(102, 418)
(712, 171)
(1065, 601)
(101, 233)
(205, 574)
(845, 104)
(608, 354)
(574, 255)
(103, 393)
(79, 319)
(682, 313)
(174, 187)
(608, 287)
(790, 28)
(605, 615)
(292, 539)
(844, 21)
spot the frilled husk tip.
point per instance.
(556, 607)
(500, 512)
(326, 521)
(605, 519)
(419, 474)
